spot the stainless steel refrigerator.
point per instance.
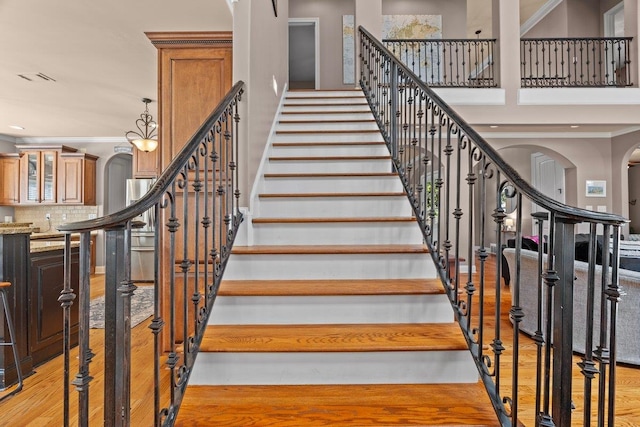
(142, 250)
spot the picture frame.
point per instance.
(275, 7)
(595, 188)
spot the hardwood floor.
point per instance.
(40, 403)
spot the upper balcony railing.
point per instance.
(448, 62)
(576, 62)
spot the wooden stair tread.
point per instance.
(330, 287)
(330, 175)
(325, 158)
(337, 405)
(331, 220)
(334, 338)
(327, 249)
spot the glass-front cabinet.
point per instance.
(39, 180)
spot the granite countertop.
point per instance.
(46, 235)
(38, 246)
(15, 230)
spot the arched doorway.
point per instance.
(116, 172)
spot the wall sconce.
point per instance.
(144, 140)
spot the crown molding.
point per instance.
(72, 140)
(190, 38)
(8, 138)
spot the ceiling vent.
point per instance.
(36, 77)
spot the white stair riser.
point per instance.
(323, 108)
(330, 150)
(327, 126)
(339, 207)
(357, 184)
(324, 117)
(326, 166)
(325, 94)
(393, 367)
(320, 101)
(345, 233)
(278, 310)
(329, 137)
(331, 266)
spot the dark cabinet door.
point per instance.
(45, 312)
(14, 265)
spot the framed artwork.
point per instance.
(275, 7)
(596, 188)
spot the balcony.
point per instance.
(545, 62)
(576, 62)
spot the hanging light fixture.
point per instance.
(144, 140)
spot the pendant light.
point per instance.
(145, 138)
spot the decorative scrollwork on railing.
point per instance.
(576, 62)
(195, 202)
(447, 62)
(469, 204)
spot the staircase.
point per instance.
(334, 314)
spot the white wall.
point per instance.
(260, 59)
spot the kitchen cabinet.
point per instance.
(9, 173)
(77, 179)
(38, 174)
(48, 174)
(145, 165)
(45, 315)
(195, 72)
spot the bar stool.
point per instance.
(4, 286)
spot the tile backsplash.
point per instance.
(60, 214)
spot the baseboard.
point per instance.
(99, 269)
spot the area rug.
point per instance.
(141, 308)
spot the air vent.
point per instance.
(36, 77)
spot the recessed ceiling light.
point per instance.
(493, 126)
(574, 126)
(16, 127)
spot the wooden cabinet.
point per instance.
(45, 315)
(194, 75)
(48, 174)
(38, 174)
(9, 173)
(77, 179)
(145, 165)
(14, 266)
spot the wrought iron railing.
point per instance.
(576, 62)
(448, 62)
(196, 199)
(460, 189)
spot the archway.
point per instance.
(116, 172)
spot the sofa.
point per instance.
(628, 326)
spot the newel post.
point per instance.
(117, 330)
(563, 321)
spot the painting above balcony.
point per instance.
(393, 27)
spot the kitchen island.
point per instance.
(36, 272)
